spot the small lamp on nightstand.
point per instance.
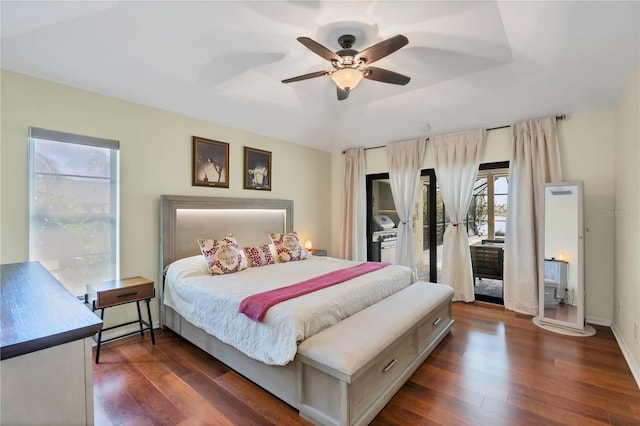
(314, 252)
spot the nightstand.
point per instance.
(118, 292)
(318, 252)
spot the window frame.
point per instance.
(113, 217)
(490, 171)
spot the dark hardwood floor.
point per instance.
(495, 368)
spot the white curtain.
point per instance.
(535, 161)
(457, 158)
(353, 245)
(405, 160)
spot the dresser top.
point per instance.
(37, 312)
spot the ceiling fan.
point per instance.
(351, 66)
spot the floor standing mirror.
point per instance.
(561, 285)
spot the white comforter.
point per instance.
(211, 302)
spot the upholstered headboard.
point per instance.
(185, 219)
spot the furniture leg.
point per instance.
(140, 318)
(99, 337)
(153, 338)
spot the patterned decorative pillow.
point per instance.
(223, 256)
(259, 256)
(288, 247)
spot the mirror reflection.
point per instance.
(562, 295)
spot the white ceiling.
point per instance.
(472, 64)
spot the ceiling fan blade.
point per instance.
(382, 49)
(385, 76)
(319, 49)
(306, 76)
(342, 94)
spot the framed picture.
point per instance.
(257, 169)
(210, 163)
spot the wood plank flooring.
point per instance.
(495, 368)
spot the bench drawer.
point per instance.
(380, 374)
(432, 324)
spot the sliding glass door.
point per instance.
(430, 219)
(428, 223)
(485, 220)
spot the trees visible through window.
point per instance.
(73, 207)
(487, 215)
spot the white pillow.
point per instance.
(288, 247)
(260, 255)
(194, 266)
(223, 256)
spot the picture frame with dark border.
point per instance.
(257, 169)
(210, 163)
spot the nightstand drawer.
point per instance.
(117, 292)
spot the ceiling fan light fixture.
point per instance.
(351, 66)
(347, 78)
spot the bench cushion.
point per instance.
(346, 348)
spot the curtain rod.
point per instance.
(558, 118)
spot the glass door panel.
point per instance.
(428, 257)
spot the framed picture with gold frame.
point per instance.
(257, 169)
(210, 163)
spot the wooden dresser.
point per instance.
(45, 349)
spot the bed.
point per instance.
(301, 373)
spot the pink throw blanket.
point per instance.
(256, 306)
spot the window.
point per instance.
(487, 215)
(73, 207)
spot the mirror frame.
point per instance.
(577, 327)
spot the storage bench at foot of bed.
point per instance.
(348, 372)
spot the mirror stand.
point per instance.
(561, 271)
(585, 332)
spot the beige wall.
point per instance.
(626, 217)
(155, 159)
(587, 154)
(586, 141)
(597, 147)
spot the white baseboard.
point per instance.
(598, 321)
(628, 356)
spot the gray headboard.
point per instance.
(185, 219)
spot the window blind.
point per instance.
(74, 206)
